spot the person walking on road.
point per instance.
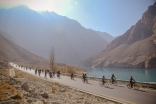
(35, 71)
(39, 72)
(45, 73)
(53, 73)
(50, 74)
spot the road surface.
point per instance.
(122, 93)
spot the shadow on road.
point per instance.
(73, 79)
(109, 87)
(142, 91)
(89, 83)
(58, 78)
(119, 86)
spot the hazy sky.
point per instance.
(111, 16)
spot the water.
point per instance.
(141, 75)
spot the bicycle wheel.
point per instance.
(82, 80)
(115, 83)
(129, 86)
(101, 83)
(136, 87)
(86, 80)
(106, 84)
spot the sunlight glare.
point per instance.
(58, 6)
(50, 5)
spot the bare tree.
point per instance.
(52, 59)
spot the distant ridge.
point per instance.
(136, 48)
(38, 32)
(11, 52)
(105, 36)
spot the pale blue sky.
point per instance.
(111, 16)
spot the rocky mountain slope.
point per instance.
(136, 48)
(38, 32)
(10, 51)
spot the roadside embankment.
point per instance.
(30, 89)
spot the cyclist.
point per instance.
(53, 73)
(58, 74)
(113, 78)
(72, 76)
(36, 71)
(103, 79)
(132, 81)
(85, 77)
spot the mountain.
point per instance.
(10, 51)
(38, 32)
(136, 48)
(105, 36)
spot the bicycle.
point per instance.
(103, 84)
(72, 77)
(58, 75)
(135, 86)
(84, 80)
(115, 83)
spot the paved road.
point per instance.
(141, 96)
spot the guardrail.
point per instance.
(119, 81)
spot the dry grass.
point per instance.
(7, 90)
(20, 74)
(6, 72)
(69, 69)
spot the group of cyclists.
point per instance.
(84, 76)
(113, 79)
(39, 71)
(48, 72)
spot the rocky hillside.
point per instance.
(38, 32)
(10, 51)
(136, 48)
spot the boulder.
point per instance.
(38, 102)
(62, 90)
(16, 97)
(25, 87)
(45, 95)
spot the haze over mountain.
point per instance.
(10, 51)
(136, 48)
(105, 35)
(39, 32)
